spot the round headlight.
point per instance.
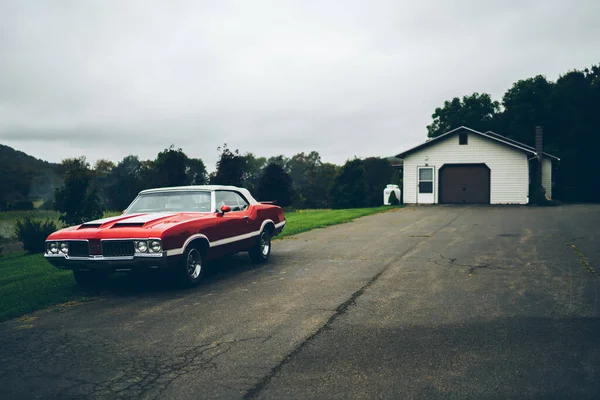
(53, 248)
(142, 246)
(64, 248)
(155, 246)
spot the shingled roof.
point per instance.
(489, 134)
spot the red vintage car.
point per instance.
(175, 228)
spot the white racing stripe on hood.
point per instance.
(146, 218)
(104, 220)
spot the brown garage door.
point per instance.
(465, 184)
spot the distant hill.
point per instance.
(23, 177)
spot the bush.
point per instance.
(32, 233)
(393, 199)
(537, 196)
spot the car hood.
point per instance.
(129, 224)
(149, 220)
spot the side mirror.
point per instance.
(225, 209)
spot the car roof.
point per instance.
(241, 190)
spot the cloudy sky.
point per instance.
(347, 78)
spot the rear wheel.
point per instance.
(262, 250)
(191, 267)
(90, 279)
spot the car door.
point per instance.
(234, 228)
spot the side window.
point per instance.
(243, 204)
(220, 199)
(231, 199)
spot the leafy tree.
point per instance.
(378, 174)
(103, 167)
(76, 201)
(253, 167)
(350, 187)
(275, 184)
(101, 172)
(281, 160)
(170, 168)
(575, 134)
(527, 104)
(303, 168)
(477, 111)
(317, 193)
(196, 172)
(125, 182)
(230, 167)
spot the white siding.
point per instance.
(547, 175)
(509, 171)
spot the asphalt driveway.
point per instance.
(424, 302)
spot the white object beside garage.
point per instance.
(387, 193)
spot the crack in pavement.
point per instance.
(139, 376)
(340, 311)
(583, 260)
(470, 268)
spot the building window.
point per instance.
(463, 138)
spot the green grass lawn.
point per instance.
(305, 220)
(29, 282)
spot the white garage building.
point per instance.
(465, 166)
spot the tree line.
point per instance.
(568, 110)
(301, 181)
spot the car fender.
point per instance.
(179, 251)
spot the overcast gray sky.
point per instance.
(106, 79)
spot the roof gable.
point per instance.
(489, 135)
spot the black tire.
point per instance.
(90, 279)
(262, 250)
(191, 267)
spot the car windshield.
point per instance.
(193, 201)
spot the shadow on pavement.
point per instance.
(522, 357)
(154, 282)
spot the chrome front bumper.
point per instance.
(98, 262)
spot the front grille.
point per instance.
(78, 249)
(117, 248)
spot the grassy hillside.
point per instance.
(24, 177)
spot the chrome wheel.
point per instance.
(194, 263)
(259, 253)
(265, 244)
